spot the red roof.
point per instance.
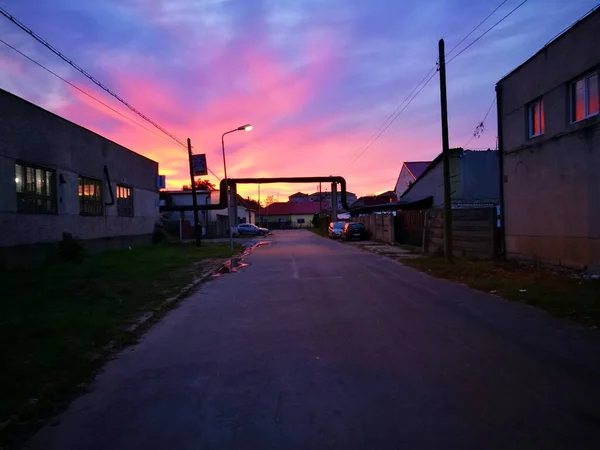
(289, 208)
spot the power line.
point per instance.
(486, 31)
(393, 119)
(90, 77)
(475, 29)
(368, 142)
(83, 91)
(480, 127)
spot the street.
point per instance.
(317, 344)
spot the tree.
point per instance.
(252, 203)
(269, 200)
(205, 185)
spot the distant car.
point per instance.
(249, 229)
(354, 230)
(335, 229)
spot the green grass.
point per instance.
(56, 321)
(561, 294)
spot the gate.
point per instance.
(408, 227)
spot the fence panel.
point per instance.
(408, 227)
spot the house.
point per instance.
(300, 197)
(410, 171)
(288, 214)
(57, 177)
(324, 198)
(473, 180)
(549, 139)
(372, 200)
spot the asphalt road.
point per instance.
(317, 344)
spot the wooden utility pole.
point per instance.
(197, 230)
(446, 156)
(320, 200)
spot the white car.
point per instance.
(249, 229)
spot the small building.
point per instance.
(57, 177)
(474, 180)
(324, 198)
(288, 214)
(372, 200)
(411, 170)
(549, 130)
(300, 197)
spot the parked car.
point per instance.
(335, 229)
(249, 229)
(354, 230)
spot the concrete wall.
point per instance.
(31, 135)
(551, 183)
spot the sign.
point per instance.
(161, 182)
(199, 166)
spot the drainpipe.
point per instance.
(502, 231)
(110, 190)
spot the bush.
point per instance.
(69, 248)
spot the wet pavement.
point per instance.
(317, 344)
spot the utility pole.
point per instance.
(446, 155)
(259, 222)
(320, 199)
(197, 230)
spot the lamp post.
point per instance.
(246, 127)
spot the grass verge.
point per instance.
(56, 322)
(561, 294)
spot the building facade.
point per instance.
(550, 144)
(410, 171)
(474, 180)
(57, 177)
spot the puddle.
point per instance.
(237, 263)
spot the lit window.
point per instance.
(124, 201)
(535, 118)
(584, 97)
(36, 189)
(90, 197)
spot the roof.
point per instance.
(431, 165)
(324, 193)
(416, 168)
(290, 208)
(595, 10)
(299, 194)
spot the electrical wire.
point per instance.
(480, 124)
(486, 32)
(84, 92)
(38, 38)
(475, 29)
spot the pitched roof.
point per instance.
(416, 168)
(299, 194)
(289, 208)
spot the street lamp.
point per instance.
(246, 127)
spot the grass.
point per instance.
(56, 321)
(320, 231)
(561, 294)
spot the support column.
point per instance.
(334, 202)
(233, 220)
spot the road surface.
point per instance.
(317, 344)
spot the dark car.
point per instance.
(335, 229)
(354, 230)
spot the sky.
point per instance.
(316, 78)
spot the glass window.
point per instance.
(124, 201)
(90, 197)
(36, 189)
(536, 118)
(584, 97)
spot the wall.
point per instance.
(307, 220)
(380, 226)
(31, 135)
(479, 177)
(431, 183)
(551, 186)
(474, 232)
(403, 182)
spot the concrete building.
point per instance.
(57, 177)
(411, 170)
(288, 214)
(473, 180)
(549, 132)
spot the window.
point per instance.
(124, 201)
(535, 118)
(300, 220)
(584, 97)
(90, 197)
(36, 189)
